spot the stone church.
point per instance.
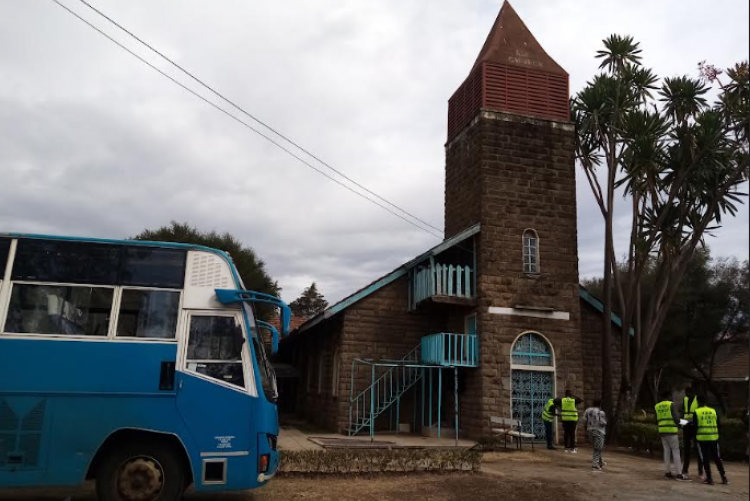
(492, 322)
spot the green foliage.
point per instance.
(710, 309)
(734, 439)
(643, 436)
(310, 303)
(680, 160)
(367, 461)
(251, 268)
(640, 436)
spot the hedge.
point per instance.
(642, 436)
(340, 461)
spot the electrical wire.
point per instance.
(253, 117)
(242, 122)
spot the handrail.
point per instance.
(380, 394)
(442, 280)
(412, 353)
(227, 296)
(450, 350)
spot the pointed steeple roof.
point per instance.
(511, 43)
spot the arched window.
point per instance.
(530, 252)
(531, 349)
(532, 381)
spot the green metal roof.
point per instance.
(390, 278)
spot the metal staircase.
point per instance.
(384, 392)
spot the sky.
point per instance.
(94, 143)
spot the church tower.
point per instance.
(510, 166)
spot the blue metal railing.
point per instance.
(450, 350)
(383, 392)
(442, 280)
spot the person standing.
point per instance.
(669, 431)
(569, 412)
(706, 424)
(548, 417)
(596, 426)
(690, 403)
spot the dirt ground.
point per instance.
(509, 476)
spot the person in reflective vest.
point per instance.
(706, 423)
(569, 414)
(548, 417)
(689, 404)
(669, 431)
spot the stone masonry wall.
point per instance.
(591, 331)
(323, 340)
(380, 327)
(524, 172)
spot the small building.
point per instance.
(492, 321)
(730, 376)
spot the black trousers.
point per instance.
(569, 430)
(710, 452)
(691, 444)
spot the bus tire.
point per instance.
(141, 471)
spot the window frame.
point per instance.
(248, 370)
(5, 282)
(472, 317)
(321, 371)
(114, 315)
(537, 260)
(335, 374)
(118, 300)
(36, 335)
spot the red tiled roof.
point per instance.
(295, 323)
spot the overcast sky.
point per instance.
(94, 143)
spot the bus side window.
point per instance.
(58, 309)
(215, 348)
(148, 314)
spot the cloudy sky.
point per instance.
(94, 143)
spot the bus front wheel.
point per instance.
(141, 472)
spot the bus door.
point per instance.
(214, 389)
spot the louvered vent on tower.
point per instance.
(513, 73)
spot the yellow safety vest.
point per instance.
(569, 411)
(665, 419)
(708, 428)
(689, 408)
(548, 414)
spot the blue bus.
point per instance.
(139, 365)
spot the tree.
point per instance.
(709, 311)
(252, 269)
(310, 303)
(679, 161)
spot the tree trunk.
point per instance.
(607, 322)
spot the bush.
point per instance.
(733, 440)
(640, 436)
(344, 461)
(644, 437)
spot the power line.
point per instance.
(254, 118)
(242, 122)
